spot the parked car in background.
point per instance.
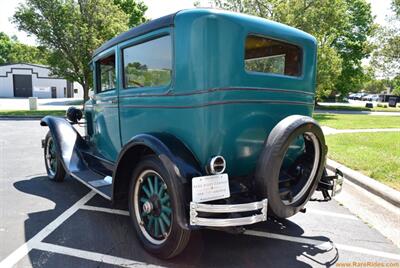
(359, 96)
(375, 97)
(366, 97)
(352, 96)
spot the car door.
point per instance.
(146, 76)
(106, 136)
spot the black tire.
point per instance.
(177, 238)
(56, 173)
(271, 160)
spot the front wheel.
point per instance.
(54, 167)
(151, 205)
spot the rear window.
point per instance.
(265, 55)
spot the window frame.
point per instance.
(141, 40)
(301, 64)
(97, 73)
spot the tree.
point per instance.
(5, 48)
(396, 89)
(135, 11)
(376, 86)
(12, 51)
(71, 30)
(386, 57)
(396, 7)
(340, 26)
(353, 46)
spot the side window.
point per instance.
(271, 56)
(148, 64)
(106, 78)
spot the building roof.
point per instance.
(159, 23)
(24, 63)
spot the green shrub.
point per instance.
(382, 105)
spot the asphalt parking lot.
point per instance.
(49, 224)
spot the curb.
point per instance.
(24, 117)
(385, 192)
(20, 117)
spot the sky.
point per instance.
(157, 8)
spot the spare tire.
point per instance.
(289, 184)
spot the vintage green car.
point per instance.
(199, 119)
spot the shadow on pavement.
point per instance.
(113, 235)
(63, 195)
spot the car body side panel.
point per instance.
(213, 105)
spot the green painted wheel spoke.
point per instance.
(144, 214)
(146, 191)
(162, 226)
(165, 219)
(166, 209)
(150, 185)
(150, 223)
(156, 228)
(53, 164)
(156, 184)
(162, 189)
(143, 200)
(164, 199)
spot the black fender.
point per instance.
(68, 142)
(179, 161)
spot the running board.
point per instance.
(98, 183)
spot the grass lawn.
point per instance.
(21, 113)
(355, 108)
(376, 155)
(357, 121)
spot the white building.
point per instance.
(30, 80)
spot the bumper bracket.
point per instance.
(331, 185)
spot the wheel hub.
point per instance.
(148, 207)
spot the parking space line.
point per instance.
(325, 245)
(92, 256)
(371, 252)
(332, 214)
(24, 249)
(107, 210)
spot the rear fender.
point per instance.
(178, 160)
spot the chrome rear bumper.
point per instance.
(218, 222)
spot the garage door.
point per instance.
(22, 85)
